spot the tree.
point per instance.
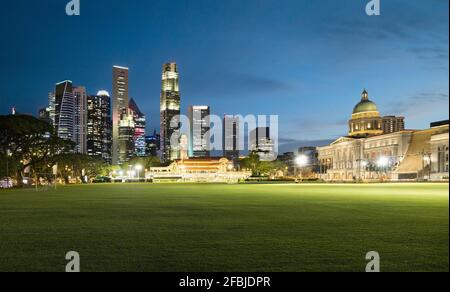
(30, 143)
(253, 163)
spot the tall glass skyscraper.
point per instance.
(169, 109)
(99, 125)
(231, 138)
(80, 118)
(120, 99)
(64, 110)
(139, 129)
(199, 143)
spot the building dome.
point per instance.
(366, 120)
(365, 105)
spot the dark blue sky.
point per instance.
(306, 61)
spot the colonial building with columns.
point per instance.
(371, 152)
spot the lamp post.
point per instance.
(138, 168)
(301, 161)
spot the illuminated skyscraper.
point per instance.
(126, 136)
(199, 143)
(170, 108)
(119, 106)
(64, 110)
(99, 125)
(139, 129)
(262, 144)
(80, 118)
(231, 138)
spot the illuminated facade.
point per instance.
(126, 136)
(204, 170)
(80, 118)
(369, 154)
(64, 110)
(262, 144)
(199, 143)
(99, 126)
(120, 100)
(231, 138)
(366, 120)
(139, 129)
(169, 111)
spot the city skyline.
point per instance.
(317, 69)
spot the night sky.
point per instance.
(306, 61)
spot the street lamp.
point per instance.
(138, 168)
(301, 161)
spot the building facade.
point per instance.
(120, 100)
(80, 118)
(392, 124)
(99, 126)
(369, 154)
(169, 111)
(64, 110)
(231, 138)
(126, 136)
(203, 170)
(199, 139)
(262, 144)
(139, 129)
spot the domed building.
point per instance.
(379, 148)
(366, 120)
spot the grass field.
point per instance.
(144, 227)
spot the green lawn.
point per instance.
(187, 227)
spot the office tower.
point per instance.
(51, 107)
(99, 132)
(126, 136)
(152, 144)
(119, 105)
(64, 110)
(261, 144)
(199, 140)
(139, 129)
(80, 118)
(393, 124)
(231, 138)
(169, 109)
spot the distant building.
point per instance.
(139, 129)
(203, 170)
(439, 151)
(169, 110)
(288, 158)
(262, 144)
(44, 115)
(64, 110)
(393, 124)
(199, 144)
(120, 100)
(52, 107)
(99, 126)
(152, 144)
(126, 136)
(231, 138)
(80, 118)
